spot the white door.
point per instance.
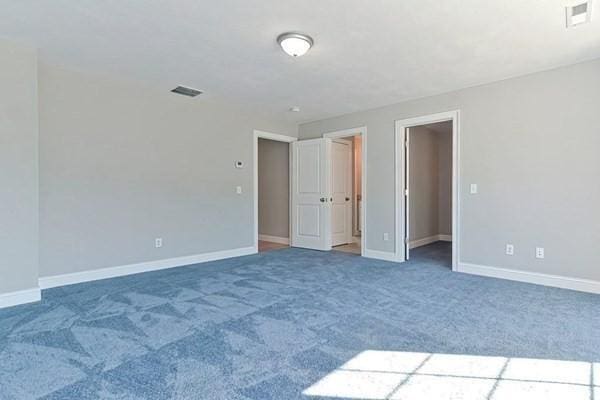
(407, 193)
(311, 206)
(341, 192)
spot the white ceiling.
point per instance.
(367, 53)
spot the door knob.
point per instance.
(347, 198)
(323, 199)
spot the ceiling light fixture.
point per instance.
(295, 44)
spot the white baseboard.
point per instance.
(274, 239)
(582, 285)
(428, 240)
(20, 297)
(112, 272)
(380, 255)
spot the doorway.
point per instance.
(324, 188)
(427, 173)
(271, 191)
(348, 179)
(428, 166)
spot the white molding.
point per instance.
(274, 136)
(358, 131)
(400, 181)
(380, 255)
(113, 272)
(428, 240)
(564, 282)
(20, 297)
(445, 238)
(256, 134)
(274, 239)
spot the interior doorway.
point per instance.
(272, 179)
(427, 188)
(348, 179)
(428, 168)
(324, 189)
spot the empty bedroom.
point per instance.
(274, 200)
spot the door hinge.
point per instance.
(406, 192)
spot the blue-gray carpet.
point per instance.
(269, 326)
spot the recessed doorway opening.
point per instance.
(271, 191)
(427, 188)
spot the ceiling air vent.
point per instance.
(579, 14)
(186, 91)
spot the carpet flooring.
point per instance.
(301, 324)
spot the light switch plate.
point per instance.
(510, 250)
(473, 188)
(238, 189)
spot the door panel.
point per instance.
(341, 183)
(311, 209)
(407, 194)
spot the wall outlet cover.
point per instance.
(539, 252)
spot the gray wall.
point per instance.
(123, 164)
(18, 168)
(531, 143)
(273, 188)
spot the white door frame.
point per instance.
(278, 138)
(400, 203)
(358, 131)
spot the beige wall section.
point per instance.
(423, 184)
(430, 182)
(123, 164)
(18, 168)
(273, 188)
(444, 142)
(531, 144)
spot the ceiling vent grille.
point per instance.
(579, 14)
(186, 91)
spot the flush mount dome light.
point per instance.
(295, 44)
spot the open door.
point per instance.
(341, 192)
(407, 193)
(311, 201)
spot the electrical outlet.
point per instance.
(539, 252)
(158, 242)
(238, 189)
(473, 188)
(386, 236)
(510, 250)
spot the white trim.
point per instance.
(583, 285)
(358, 131)
(271, 136)
(20, 297)
(112, 272)
(400, 131)
(428, 240)
(274, 239)
(380, 255)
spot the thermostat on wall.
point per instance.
(239, 164)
